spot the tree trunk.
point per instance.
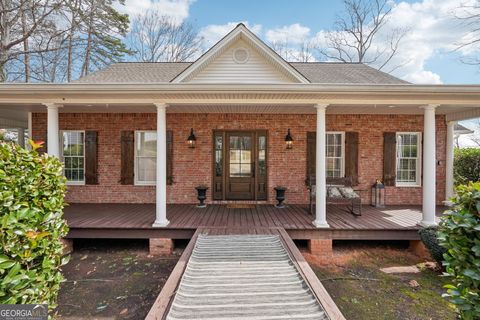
(70, 54)
(26, 55)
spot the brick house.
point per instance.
(122, 133)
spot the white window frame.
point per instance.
(342, 162)
(69, 182)
(135, 168)
(418, 169)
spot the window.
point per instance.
(73, 155)
(335, 154)
(145, 157)
(408, 158)
(240, 156)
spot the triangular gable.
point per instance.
(240, 57)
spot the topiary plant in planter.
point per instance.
(459, 233)
(32, 190)
(430, 240)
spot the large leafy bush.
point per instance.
(467, 165)
(32, 189)
(459, 233)
(429, 238)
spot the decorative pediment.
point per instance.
(240, 57)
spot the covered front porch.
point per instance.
(135, 221)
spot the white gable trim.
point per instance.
(241, 32)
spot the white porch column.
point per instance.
(53, 140)
(429, 167)
(161, 183)
(320, 179)
(21, 137)
(30, 125)
(449, 161)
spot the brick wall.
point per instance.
(192, 167)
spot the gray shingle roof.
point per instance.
(163, 72)
(344, 73)
(458, 128)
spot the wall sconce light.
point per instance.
(289, 140)
(191, 140)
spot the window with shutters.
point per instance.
(408, 158)
(73, 156)
(145, 157)
(335, 154)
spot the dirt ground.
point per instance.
(112, 279)
(115, 279)
(362, 291)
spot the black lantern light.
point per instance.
(191, 140)
(378, 194)
(289, 140)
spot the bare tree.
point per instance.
(469, 17)
(300, 52)
(155, 37)
(20, 20)
(360, 35)
(475, 136)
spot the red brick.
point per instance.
(321, 247)
(285, 167)
(67, 245)
(418, 248)
(161, 246)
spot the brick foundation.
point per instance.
(285, 167)
(161, 246)
(418, 248)
(321, 249)
(67, 246)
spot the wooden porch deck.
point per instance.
(135, 221)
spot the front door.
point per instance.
(240, 160)
(239, 165)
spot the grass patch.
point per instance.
(378, 295)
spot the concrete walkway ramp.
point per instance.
(243, 277)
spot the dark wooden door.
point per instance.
(240, 165)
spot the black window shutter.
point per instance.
(169, 157)
(351, 156)
(389, 158)
(91, 157)
(127, 157)
(311, 156)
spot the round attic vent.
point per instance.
(240, 55)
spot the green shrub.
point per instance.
(32, 189)
(467, 165)
(430, 240)
(459, 233)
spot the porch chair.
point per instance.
(339, 192)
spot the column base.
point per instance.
(160, 246)
(160, 224)
(67, 246)
(427, 224)
(419, 249)
(320, 224)
(321, 250)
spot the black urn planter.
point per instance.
(280, 196)
(201, 196)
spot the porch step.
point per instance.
(243, 277)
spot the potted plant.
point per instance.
(280, 196)
(201, 196)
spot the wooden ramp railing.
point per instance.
(243, 274)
